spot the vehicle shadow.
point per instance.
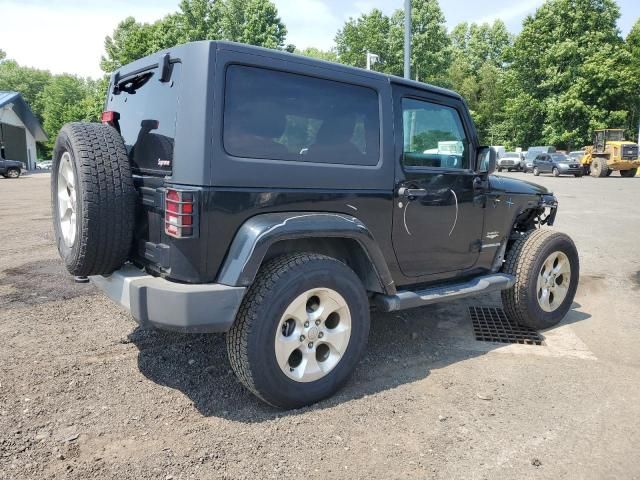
(403, 347)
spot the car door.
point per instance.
(541, 163)
(438, 210)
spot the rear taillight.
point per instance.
(111, 118)
(179, 213)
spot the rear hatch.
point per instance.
(145, 104)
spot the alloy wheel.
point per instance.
(67, 200)
(313, 334)
(553, 281)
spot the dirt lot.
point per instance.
(86, 394)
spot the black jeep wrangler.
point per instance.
(275, 198)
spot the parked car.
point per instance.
(509, 161)
(45, 165)
(243, 190)
(576, 155)
(532, 153)
(10, 168)
(557, 164)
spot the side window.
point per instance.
(433, 136)
(276, 115)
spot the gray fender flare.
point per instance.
(257, 234)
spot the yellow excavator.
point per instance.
(610, 152)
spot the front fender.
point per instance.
(259, 233)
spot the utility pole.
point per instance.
(407, 38)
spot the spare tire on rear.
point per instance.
(92, 198)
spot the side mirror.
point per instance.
(487, 159)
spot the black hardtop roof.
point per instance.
(153, 59)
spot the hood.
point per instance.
(513, 185)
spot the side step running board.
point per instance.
(409, 299)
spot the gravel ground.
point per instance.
(84, 393)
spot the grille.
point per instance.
(629, 152)
(490, 324)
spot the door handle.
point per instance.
(412, 192)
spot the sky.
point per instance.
(68, 35)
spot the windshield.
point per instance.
(615, 135)
(511, 155)
(559, 157)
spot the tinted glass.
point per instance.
(559, 157)
(433, 136)
(285, 116)
(147, 109)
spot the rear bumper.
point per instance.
(154, 301)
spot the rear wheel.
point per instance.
(556, 172)
(499, 169)
(13, 173)
(628, 173)
(92, 198)
(599, 168)
(536, 171)
(546, 267)
(300, 331)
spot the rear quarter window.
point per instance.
(147, 109)
(276, 115)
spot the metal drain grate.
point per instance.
(490, 324)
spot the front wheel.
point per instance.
(546, 267)
(536, 171)
(300, 331)
(628, 173)
(600, 168)
(499, 169)
(556, 172)
(13, 173)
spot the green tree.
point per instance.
(477, 71)
(262, 25)
(633, 47)
(3, 55)
(328, 55)
(377, 33)
(130, 40)
(367, 33)
(570, 61)
(66, 98)
(430, 52)
(255, 22)
(28, 81)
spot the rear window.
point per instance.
(147, 109)
(284, 116)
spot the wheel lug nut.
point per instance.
(302, 338)
(306, 324)
(321, 334)
(318, 322)
(310, 345)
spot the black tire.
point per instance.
(578, 175)
(525, 260)
(250, 341)
(499, 169)
(628, 173)
(13, 173)
(556, 172)
(599, 168)
(105, 198)
(536, 171)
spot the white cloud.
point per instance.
(63, 37)
(309, 22)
